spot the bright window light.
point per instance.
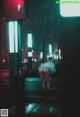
(29, 54)
(69, 8)
(30, 40)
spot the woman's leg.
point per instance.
(47, 78)
(42, 76)
(43, 84)
(48, 83)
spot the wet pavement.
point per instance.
(36, 101)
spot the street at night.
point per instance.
(39, 58)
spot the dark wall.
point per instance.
(70, 44)
(1, 6)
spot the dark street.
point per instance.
(36, 101)
(32, 33)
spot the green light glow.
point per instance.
(59, 54)
(41, 55)
(50, 49)
(30, 40)
(16, 36)
(51, 109)
(30, 107)
(19, 7)
(69, 8)
(33, 79)
(37, 107)
(13, 36)
(57, 57)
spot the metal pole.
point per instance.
(44, 39)
(20, 109)
(43, 60)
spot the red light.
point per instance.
(4, 60)
(13, 9)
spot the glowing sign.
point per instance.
(69, 8)
(13, 36)
(50, 49)
(30, 40)
(41, 55)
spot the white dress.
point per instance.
(50, 65)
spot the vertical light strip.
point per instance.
(11, 37)
(50, 49)
(41, 55)
(59, 54)
(30, 40)
(16, 36)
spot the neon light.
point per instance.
(16, 36)
(41, 55)
(11, 37)
(50, 49)
(19, 7)
(30, 40)
(59, 54)
(30, 107)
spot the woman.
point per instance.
(46, 70)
